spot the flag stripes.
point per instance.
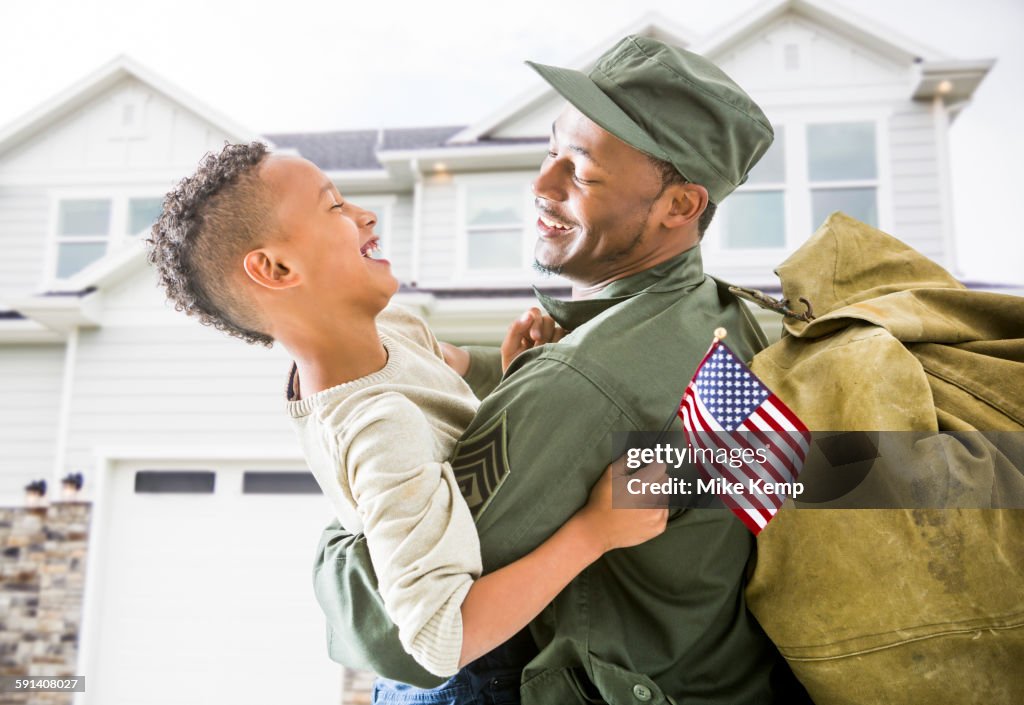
(725, 407)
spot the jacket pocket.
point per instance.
(620, 686)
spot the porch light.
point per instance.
(71, 485)
(35, 492)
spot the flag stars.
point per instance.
(730, 397)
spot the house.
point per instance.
(201, 519)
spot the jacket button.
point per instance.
(642, 692)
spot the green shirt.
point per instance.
(661, 622)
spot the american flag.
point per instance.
(727, 409)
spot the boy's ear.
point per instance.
(687, 203)
(265, 267)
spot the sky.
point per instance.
(309, 65)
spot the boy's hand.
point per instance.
(634, 519)
(529, 330)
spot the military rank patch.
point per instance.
(480, 463)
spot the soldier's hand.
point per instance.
(633, 519)
(533, 328)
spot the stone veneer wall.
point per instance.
(42, 574)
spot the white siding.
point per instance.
(30, 377)
(169, 386)
(24, 215)
(917, 213)
(440, 220)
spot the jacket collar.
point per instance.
(682, 271)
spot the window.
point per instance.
(279, 483)
(87, 227)
(83, 227)
(174, 481)
(754, 217)
(813, 168)
(495, 218)
(142, 213)
(842, 170)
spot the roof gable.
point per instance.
(87, 90)
(802, 56)
(130, 134)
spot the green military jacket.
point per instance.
(662, 622)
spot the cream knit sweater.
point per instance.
(379, 446)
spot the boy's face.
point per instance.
(327, 239)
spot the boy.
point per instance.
(264, 247)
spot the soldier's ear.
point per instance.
(686, 202)
(269, 269)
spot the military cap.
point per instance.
(671, 104)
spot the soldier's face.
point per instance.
(594, 195)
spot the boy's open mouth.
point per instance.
(371, 247)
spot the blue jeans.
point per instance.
(493, 679)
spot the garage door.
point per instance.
(204, 592)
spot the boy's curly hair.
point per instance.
(210, 220)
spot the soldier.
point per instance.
(651, 139)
